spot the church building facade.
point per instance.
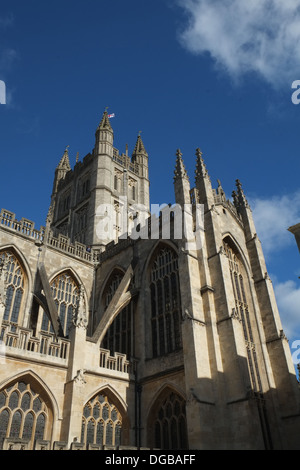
(115, 341)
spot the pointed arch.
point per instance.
(163, 289)
(22, 259)
(18, 282)
(119, 336)
(166, 422)
(155, 249)
(65, 287)
(244, 309)
(232, 241)
(30, 407)
(104, 416)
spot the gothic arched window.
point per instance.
(23, 413)
(65, 292)
(14, 278)
(119, 336)
(165, 303)
(101, 422)
(242, 311)
(169, 423)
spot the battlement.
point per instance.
(24, 227)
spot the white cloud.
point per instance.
(242, 36)
(273, 217)
(288, 301)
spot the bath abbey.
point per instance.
(123, 329)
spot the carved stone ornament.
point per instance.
(79, 379)
(79, 315)
(3, 284)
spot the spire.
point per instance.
(105, 122)
(104, 137)
(203, 183)
(180, 171)
(239, 197)
(201, 171)
(64, 163)
(181, 182)
(139, 148)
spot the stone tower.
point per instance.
(86, 202)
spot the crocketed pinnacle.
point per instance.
(239, 196)
(201, 171)
(64, 163)
(180, 171)
(139, 147)
(105, 122)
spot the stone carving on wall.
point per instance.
(3, 284)
(79, 315)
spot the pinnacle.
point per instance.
(105, 123)
(139, 147)
(64, 163)
(180, 171)
(201, 170)
(239, 196)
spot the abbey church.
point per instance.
(118, 334)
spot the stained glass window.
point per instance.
(242, 310)
(165, 303)
(28, 412)
(119, 336)
(65, 292)
(102, 423)
(15, 286)
(170, 430)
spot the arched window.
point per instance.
(65, 292)
(23, 413)
(242, 311)
(169, 423)
(101, 422)
(15, 286)
(165, 303)
(119, 336)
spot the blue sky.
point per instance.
(194, 73)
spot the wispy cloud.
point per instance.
(242, 36)
(273, 216)
(6, 21)
(7, 59)
(288, 300)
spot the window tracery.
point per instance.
(242, 311)
(101, 422)
(119, 336)
(165, 303)
(14, 278)
(170, 429)
(65, 292)
(23, 413)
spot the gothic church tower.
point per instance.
(83, 198)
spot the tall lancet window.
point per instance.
(242, 311)
(65, 292)
(119, 336)
(165, 303)
(14, 277)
